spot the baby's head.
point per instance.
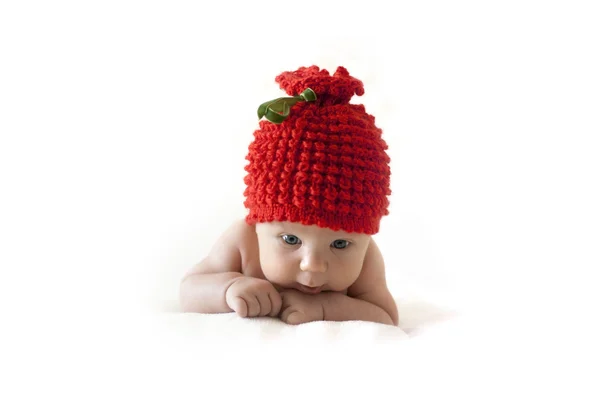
(317, 183)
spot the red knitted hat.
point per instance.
(322, 161)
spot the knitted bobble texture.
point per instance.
(325, 165)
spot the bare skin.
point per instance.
(295, 272)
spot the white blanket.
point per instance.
(416, 316)
(437, 352)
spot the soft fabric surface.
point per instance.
(439, 351)
(416, 316)
(513, 349)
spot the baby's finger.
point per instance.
(253, 305)
(276, 302)
(239, 305)
(286, 310)
(296, 318)
(265, 304)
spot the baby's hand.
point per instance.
(253, 297)
(299, 308)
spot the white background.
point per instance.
(124, 127)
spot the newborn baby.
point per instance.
(317, 186)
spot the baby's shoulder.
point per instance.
(240, 234)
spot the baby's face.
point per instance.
(309, 258)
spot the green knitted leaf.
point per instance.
(278, 110)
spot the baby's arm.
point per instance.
(203, 288)
(369, 298)
(217, 284)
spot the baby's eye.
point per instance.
(340, 244)
(291, 239)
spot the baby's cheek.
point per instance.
(346, 276)
(276, 273)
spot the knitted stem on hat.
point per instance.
(325, 164)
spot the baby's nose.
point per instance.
(312, 262)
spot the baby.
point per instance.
(317, 184)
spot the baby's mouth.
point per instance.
(309, 289)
